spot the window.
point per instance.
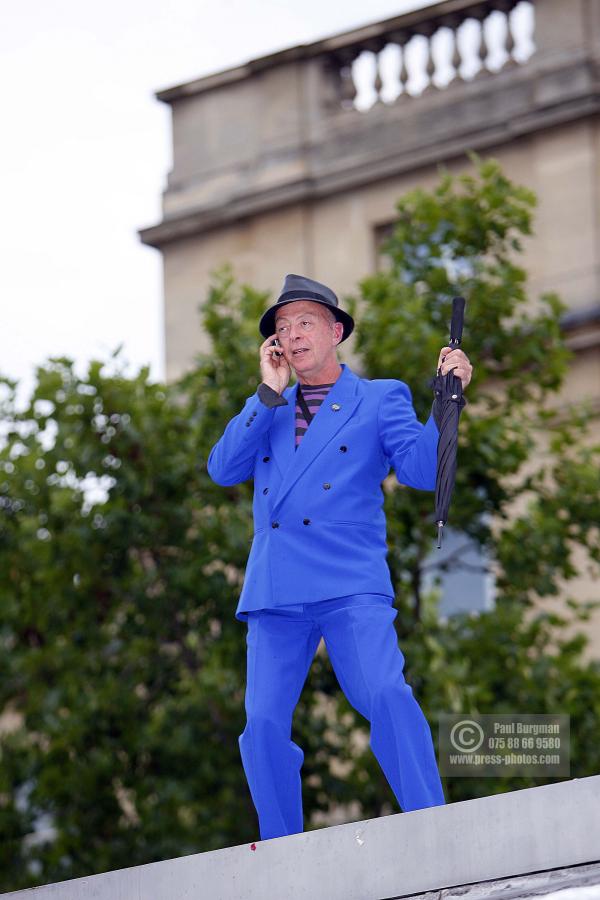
(463, 574)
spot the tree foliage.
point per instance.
(527, 480)
(122, 667)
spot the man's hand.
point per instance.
(275, 370)
(457, 360)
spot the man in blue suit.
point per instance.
(318, 452)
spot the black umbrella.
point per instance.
(449, 402)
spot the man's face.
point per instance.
(307, 338)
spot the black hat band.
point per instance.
(305, 295)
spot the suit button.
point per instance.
(274, 524)
(343, 448)
(265, 490)
(254, 413)
(266, 458)
(247, 424)
(306, 521)
(326, 486)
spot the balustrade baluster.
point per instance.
(456, 59)
(482, 50)
(400, 39)
(375, 46)
(427, 30)
(506, 7)
(509, 45)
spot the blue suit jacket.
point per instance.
(319, 524)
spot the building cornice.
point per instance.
(433, 129)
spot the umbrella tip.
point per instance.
(440, 526)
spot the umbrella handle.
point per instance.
(456, 324)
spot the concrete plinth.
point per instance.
(554, 827)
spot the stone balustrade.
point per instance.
(430, 49)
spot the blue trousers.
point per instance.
(363, 648)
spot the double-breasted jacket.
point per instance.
(319, 523)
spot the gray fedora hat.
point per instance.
(298, 287)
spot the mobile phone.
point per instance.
(275, 343)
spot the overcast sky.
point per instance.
(86, 148)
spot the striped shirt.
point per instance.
(314, 394)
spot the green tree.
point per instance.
(121, 661)
(116, 653)
(122, 666)
(527, 486)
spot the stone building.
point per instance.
(293, 162)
